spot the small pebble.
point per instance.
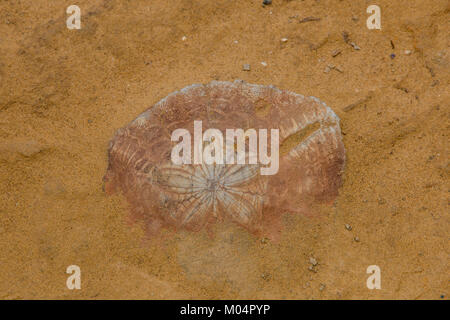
(265, 276)
(335, 53)
(338, 69)
(184, 38)
(348, 227)
(246, 67)
(27, 148)
(284, 40)
(407, 52)
(322, 287)
(264, 63)
(267, 2)
(355, 46)
(313, 261)
(392, 55)
(356, 239)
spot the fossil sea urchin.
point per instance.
(193, 196)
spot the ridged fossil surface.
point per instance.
(193, 196)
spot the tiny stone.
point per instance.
(407, 52)
(322, 287)
(356, 239)
(264, 63)
(327, 69)
(442, 296)
(335, 53)
(338, 69)
(313, 261)
(312, 268)
(392, 55)
(184, 38)
(348, 227)
(284, 39)
(267, 2)
(265, 276)
(246, 67)
(27, 148)
(355, 46)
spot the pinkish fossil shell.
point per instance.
(191, 197)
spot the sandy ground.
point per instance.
(63, 93)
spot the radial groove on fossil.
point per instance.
(192, 196)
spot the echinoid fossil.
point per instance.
(195, 195)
